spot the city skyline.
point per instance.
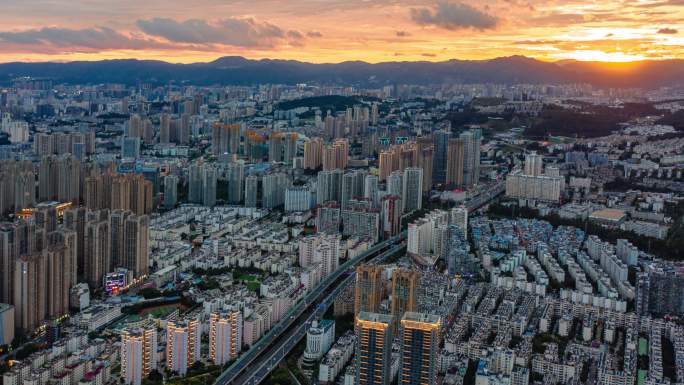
(336, 31)
(508, 221)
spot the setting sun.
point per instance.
(595, 55)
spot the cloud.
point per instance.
(667, 31)
(314, 34)
(294, 34)
(238, 32)
(664, 3)
(402, 34)
(537, 42)
(428, 54)
(453, 16)
(78, 40)
(557, 19)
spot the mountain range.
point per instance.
(241, 71)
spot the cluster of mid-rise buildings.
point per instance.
(227, 208)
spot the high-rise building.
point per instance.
(170, 191)
(319, 339)
(534, 164)
(412, 191)
(370, 189)
(395, 183)
(60, 269)
(385, 164)
(75, 219)
(307, 250)
(138, 354)
(289, 147)
(410, 154)
(455, 162)
(327, 254)
(404, 293)
(255, 147)
(359, 219)
(97, 248)
(297, 199)
(458, 258)
(17, 186)
(119, 192)
(164, 128)
(59, 178)
(209, 180)
(273, 190)
(117, 235)
(45, 216)
(320, 251)
(328, 218)
(472, 141)
(9, 252)
(531, 184)
(352, 186)
(147, 131)
(6, 324)
(183, 343)
(369, 286)
(225, 336)
(136, 244)
(313, 153)
(440, 139)
(425, 160)
(329, 186)
(130, 147)
(459, 217)
(420, 340)
(251, 191)
(29, 291)
(336, 155)
(275, 147)
(659, 290)
(225, 139)
(195, 183)
(184, 129)
(329, 125)
(390, 216)
(236, 182)
(374, 348)
(421, 233)
(17, 239)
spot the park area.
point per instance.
(252, 281)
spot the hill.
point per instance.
(241, 71)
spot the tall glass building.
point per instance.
(420, 338)
(374, 349)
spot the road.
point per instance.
(277, 352)
(287, 332)
(485, 197)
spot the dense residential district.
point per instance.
(474, 234)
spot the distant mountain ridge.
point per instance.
(241, 71)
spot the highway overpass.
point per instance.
(285, 334)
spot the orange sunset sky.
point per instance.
(340, 30)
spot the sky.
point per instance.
(331, 31)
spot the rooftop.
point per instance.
(608, 214)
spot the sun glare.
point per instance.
(599, 56)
